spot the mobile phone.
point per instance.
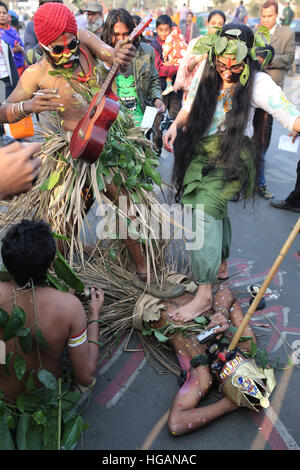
(207, 335)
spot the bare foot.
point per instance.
(202, 302)
(223, 271)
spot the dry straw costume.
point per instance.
(67, 78)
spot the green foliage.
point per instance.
(14, 323)
(169, 330)
(64, 272)
(215, 44)
(134, 166)
(51, 182)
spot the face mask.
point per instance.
(63, 55)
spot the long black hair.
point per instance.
(202, 112)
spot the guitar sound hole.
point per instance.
(93, 112)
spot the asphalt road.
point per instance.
(130, 402)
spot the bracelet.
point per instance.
(17, 117)
(91, 321)
(21, 110)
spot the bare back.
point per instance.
(54, 312)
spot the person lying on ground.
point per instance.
(185, 415)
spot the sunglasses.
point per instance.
(234, 69)
(59, 50)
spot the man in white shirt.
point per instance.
(8, 72)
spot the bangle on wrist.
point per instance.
(21, 109)
(13, 110)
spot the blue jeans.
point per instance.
(261, 179)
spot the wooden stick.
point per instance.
(265, 285)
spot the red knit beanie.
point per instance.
(51, 20)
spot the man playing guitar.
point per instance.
(41, 88)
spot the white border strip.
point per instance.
(125, 387)
(281, 429)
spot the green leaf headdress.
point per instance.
(215, 44)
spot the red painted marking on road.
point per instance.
(271, 435)
(241, 267)
(123, 376)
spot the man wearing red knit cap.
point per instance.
(51, 21)
(65, 48)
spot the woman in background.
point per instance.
(190, 62)
(11, 37)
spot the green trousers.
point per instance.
(216, 246)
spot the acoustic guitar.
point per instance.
(89, 137)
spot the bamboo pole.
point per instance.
(265, 285)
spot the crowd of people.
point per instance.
(220, 108)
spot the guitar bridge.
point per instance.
(81, 134)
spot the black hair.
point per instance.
(216, 12)
(202, 112)
(136, 19)
(28, 249)
(113, 17)
(263, 52)
(2, 4)
(164, 19)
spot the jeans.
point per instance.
(266, 139)
(293, 198)
(173, 103)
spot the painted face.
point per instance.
(64, 50)
(215, 22)
(163, 30)
(268, 17)
(3, 16)
(228, 69)
(120, 32)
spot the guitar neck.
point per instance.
(108, 82)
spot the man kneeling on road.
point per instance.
(28, 249)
